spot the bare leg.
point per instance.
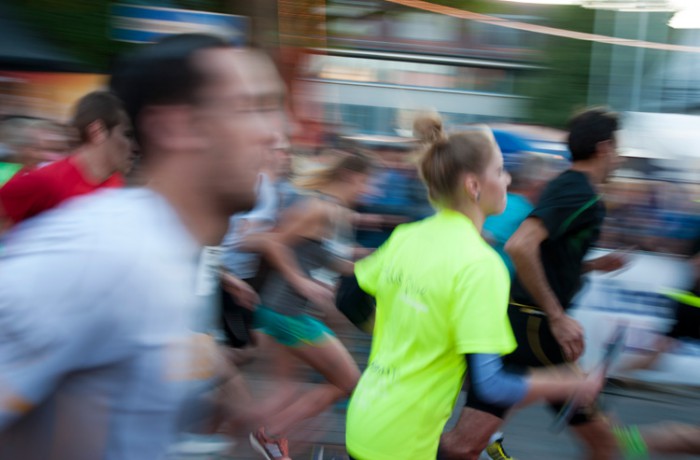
(333, 361)
(673, 438)
(599, 439)
(236, 407)
(283, 366)
(232, 404)
(648, 360)
(470, 436)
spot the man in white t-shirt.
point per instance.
(98, 308)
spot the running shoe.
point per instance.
(631, 442)
(189, 445)
(269, 448)
(496, 451)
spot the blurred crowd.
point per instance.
(28, 141)
(103, 286)
(649, 215)
(656, 216)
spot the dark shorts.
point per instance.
(353, 302)
(537, 347)
(687, 322)
(236, 321)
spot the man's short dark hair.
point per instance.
(97, 106)
(588, 128)
(161, 74)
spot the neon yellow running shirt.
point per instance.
(441, 292)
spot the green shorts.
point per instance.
(291, 331)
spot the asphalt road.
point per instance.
(527, 433)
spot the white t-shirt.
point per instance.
(261, 218)
(97, 349)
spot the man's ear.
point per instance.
(97, 132)
(603, 148)
(170, 128)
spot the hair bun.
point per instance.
(427, 127)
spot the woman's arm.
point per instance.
(275, 246)
(494, 385)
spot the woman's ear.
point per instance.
(472, 186)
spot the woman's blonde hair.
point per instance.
(427, 127)
(447, 158)
(339, 166)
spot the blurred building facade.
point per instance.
(392, 61)
(644, 80)
(371, 65)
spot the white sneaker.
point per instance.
(190, 445)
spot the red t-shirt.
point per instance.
(27, 194)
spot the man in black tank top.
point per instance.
(548, 251)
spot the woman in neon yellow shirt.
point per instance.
(441, 293)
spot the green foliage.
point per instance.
(80, 28)
(563, 86)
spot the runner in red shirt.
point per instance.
(105, 153)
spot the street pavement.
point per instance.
(527, 435)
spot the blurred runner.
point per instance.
(105, 153)
(310, 237)
(442, 295)
(97, 298)
(241, 268)
(686, 318)
(239, 280)
(527, 181)
(396, 194)
(668, 438)
(547, 251)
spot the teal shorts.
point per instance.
(291, 331)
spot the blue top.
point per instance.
(395, 192)
(498, 229)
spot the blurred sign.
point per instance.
(145, 24)
(45, 94)
(662, 136)
(633, 296)
(302, 23)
